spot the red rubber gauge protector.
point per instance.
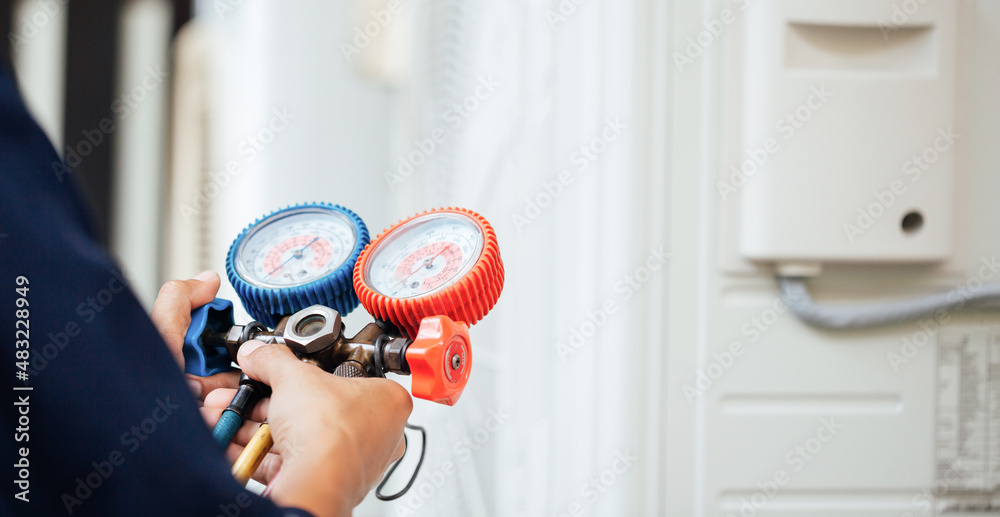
(441, 262)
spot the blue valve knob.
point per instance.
(204, 352)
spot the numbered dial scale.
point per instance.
(297, 257)
(441, 262)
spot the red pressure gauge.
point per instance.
(441, 262)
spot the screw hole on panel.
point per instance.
(912, 222)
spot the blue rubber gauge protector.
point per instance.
(295, 257)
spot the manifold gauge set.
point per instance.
(298, 270)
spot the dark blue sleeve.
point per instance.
(105, 423)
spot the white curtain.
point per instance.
(576, 229)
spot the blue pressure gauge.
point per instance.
(296, 257)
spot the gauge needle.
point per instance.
(425, 264)
(294, 255)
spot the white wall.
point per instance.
(560, 75)
(739, 433)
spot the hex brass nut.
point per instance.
(312, 329)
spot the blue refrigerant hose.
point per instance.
(225, 429)
(247, 396)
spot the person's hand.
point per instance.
(333, 437)
(172, 315)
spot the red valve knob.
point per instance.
(440, 359)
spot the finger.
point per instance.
(221, 398)
(397, 455)
(268, 468)
(201, 386)
(393, 399)
(270, 364)
(400, 450)
(210, 415)
(172, 310)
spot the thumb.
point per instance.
(270, 364)
(172, 310)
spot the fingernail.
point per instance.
(205, 276)
(267, 490)
(195, 387)
(249, 347)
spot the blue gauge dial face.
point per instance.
(295, 247)
(424, 256)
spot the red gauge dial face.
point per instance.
(424, 256)
(430, 267)
(312, 250)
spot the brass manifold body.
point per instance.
(316, 335)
